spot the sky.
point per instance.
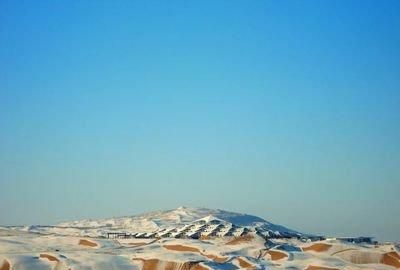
(289, 110)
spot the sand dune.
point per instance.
(319, 247)
(215, 258)
(245, 264)
(394, 254)
(49, 257)
(275, 255)
(369, 257)
(5, 265)
(391, 259)
(152, 264)
(240, 240)
(341, 251)
(183, 248)
(34, 252)
(360, 257)
(84, 242)
(314, 267)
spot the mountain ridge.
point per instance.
(174, 218)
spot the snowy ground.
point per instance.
(68, 247)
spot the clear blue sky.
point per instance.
(289, 110)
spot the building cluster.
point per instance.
(201, 228)
(354, 240)
(211, 227)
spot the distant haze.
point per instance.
(287, 110)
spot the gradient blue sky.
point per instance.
(289, 110)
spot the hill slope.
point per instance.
(159, 220)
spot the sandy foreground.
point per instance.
(34, 251)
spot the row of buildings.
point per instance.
(198, 229)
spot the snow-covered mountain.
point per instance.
(169, 240)
(177, 219)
